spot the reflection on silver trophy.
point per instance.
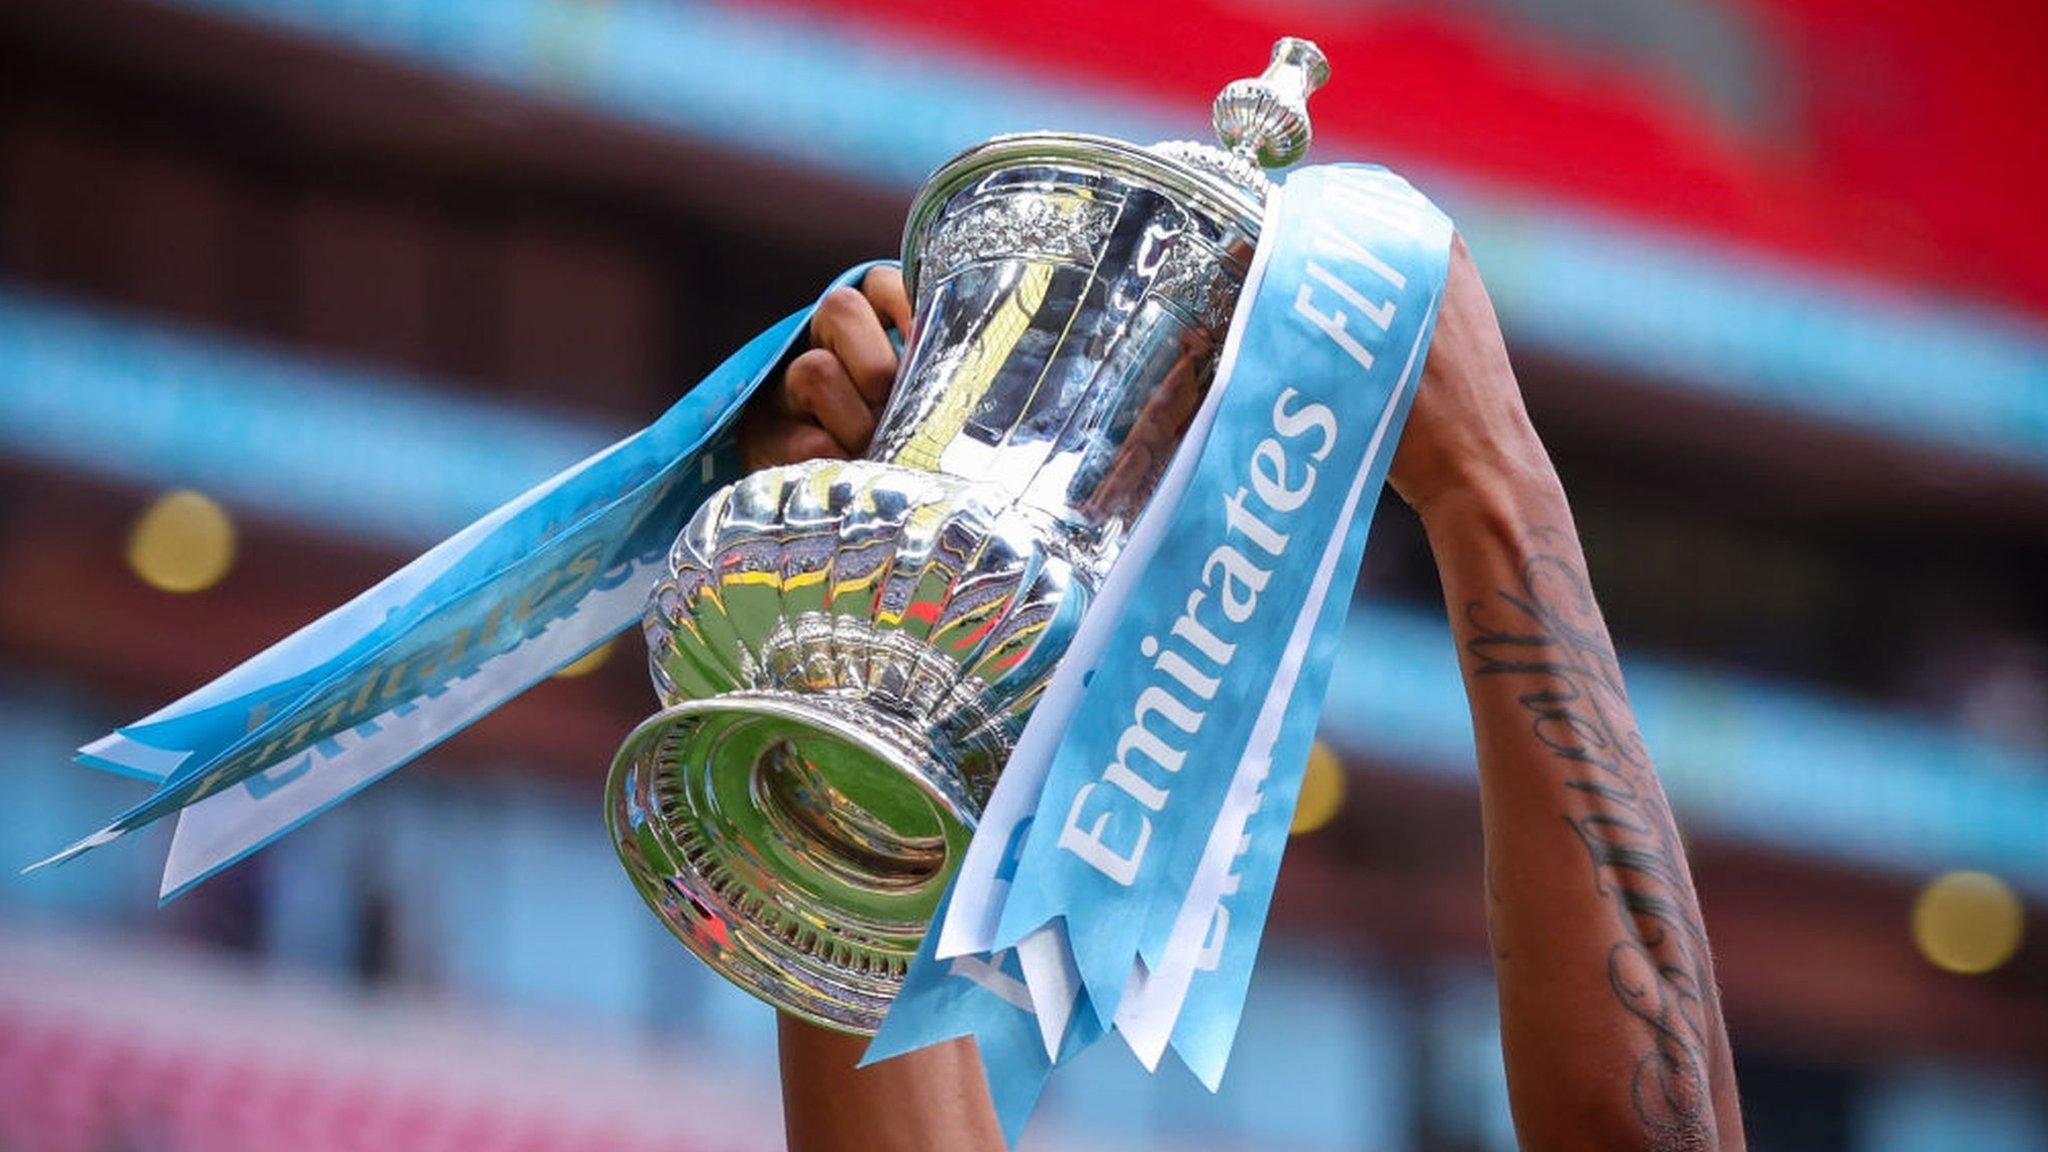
(848, 650)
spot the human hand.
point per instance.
(827, 401)
(1468, 430)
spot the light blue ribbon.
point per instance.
(1199, 712)
(461, 615)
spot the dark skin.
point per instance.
(1610, 1018)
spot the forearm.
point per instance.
(932, 1098)
(1610, 1018)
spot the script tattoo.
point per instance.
(1547, 633)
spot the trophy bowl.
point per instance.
(846, 651)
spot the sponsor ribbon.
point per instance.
(1126, 862)
(472, 623)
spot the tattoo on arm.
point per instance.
(1546, 636)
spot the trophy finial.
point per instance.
(1266, 117)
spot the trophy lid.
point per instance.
(1261, 121)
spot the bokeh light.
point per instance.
(1967, 922)
(183, 542)
(1322, 790)
(587, 663)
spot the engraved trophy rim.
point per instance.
(1194, 187)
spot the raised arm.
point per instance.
(934, 1098)
(825, 406)
(1610, 1019)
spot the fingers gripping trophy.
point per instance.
(847, 650)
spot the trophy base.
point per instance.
(798, 844)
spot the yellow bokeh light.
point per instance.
(587, 663)
(1967, 922)
(183, 542)
(1322, 790)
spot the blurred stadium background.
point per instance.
(289, 290)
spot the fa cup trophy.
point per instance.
(848, 650)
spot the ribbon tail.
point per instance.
(219, 830)
(1053, 981)
(116, 752)
(104, 836)
(983, 997)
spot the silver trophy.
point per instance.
(848, 650)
